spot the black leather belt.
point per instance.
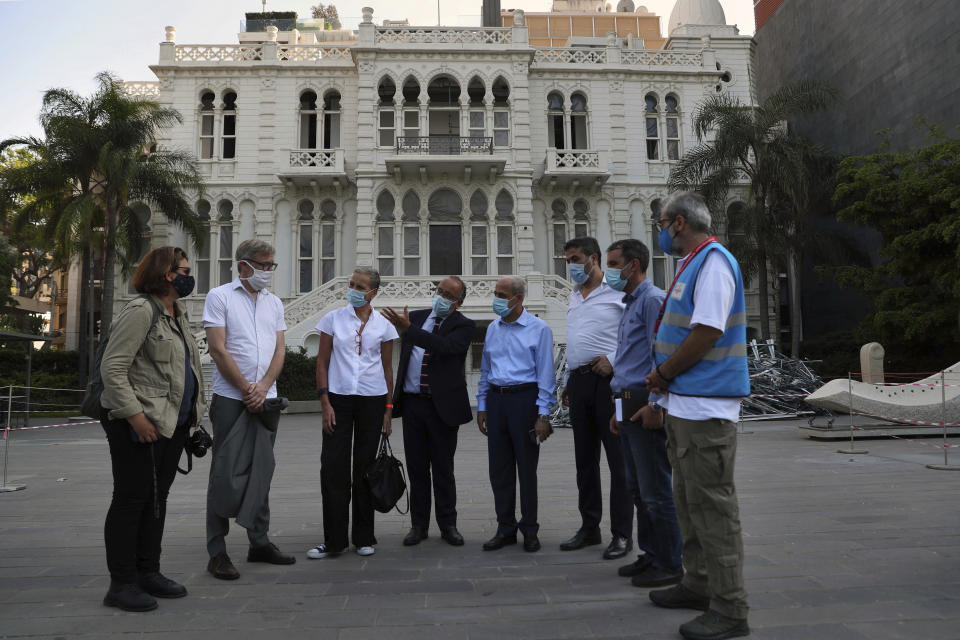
(514, 388)
(419, 395)
(585, 369)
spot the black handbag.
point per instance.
(386, 479)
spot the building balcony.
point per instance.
(314, 167)
(438, 154)
(574, 168)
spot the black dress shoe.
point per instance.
(160, 586)
(499, 542)
(618, 548)
(531, 543)
(129, 597)
(221, 568)
(452, 536)
(635, 568)
(270, 554)
(654, 577)
(581, 539)
(414, 536)
(679, 597)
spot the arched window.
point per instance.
(559, 219)
(578, 122)
(411, 108)
(652, 126)
(207, 123)
(501, 113)
(477, 91)
(305, 228)
(411, 233)
(385, 219)
(479, 234)
(446, 256)
(555, 120)
(228, 136)
(331, 119)
(328, 240)
(225, 231)
(673, 126)
(444, 113)
(202, 263)
(505, 229)
(308, 120)
(386, 118)
(581, 218)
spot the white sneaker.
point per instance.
(320, 551)
(365, 551)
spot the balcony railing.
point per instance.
(444, 145)
(575, 161)
(443, 35)
(331, 159)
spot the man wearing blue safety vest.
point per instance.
(701, 369)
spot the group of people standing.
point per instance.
(653, 378)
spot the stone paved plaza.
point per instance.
(837, 547)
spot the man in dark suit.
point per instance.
(431, 397)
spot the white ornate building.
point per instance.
(429, 151)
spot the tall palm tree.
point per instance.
(750, 145)
(97, 157)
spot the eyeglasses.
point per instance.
(443, 293)
(664, 224)
(358, 339)
(263, 266)
(186, 270)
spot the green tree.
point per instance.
(328, 13)
(743, 145)
(96, 158)
(913, 199)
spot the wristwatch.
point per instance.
(656, 408)
(544, 417)
(322, 391)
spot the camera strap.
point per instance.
(189, 462)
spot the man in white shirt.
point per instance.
(593, 320)
(244, 326)
(701, 368)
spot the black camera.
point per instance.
(198, 443)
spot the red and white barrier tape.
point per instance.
(922, 443)
(46, 426)
(917, 422)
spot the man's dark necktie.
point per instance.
(425, 364)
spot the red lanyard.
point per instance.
(689, 259)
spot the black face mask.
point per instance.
(183, 285)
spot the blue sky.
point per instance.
(60, 43)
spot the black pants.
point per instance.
(359, 422)
(512, 455)
(132, 532)
(591, 405)
(429, 443)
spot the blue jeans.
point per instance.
(649, 480)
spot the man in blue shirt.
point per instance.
(640, 423)
(514, 399)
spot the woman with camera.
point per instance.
(354, 381)
(152, 396)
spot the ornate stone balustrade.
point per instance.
(319, 158)
(314, 54)
(142, 89)
(218, 53)
(444, 145)
(569, 55)
(661, 58)
(576, 159)
(443, 35)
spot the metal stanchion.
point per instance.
(6, 488)
(946, 466)
(740, 431)
(852, 451)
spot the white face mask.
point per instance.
(260, 279)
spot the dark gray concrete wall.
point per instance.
(893, 60)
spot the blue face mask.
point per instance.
(501, 307)
(441, 306)
(578, 274)
(356, 298)
(615, 279)
(665, 240)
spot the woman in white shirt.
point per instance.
(354, 382)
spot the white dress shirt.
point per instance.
(251, 332)
(592, 325)
(712, 301)
(351, 373)
(411, 383)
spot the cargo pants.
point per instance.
(702, 453)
